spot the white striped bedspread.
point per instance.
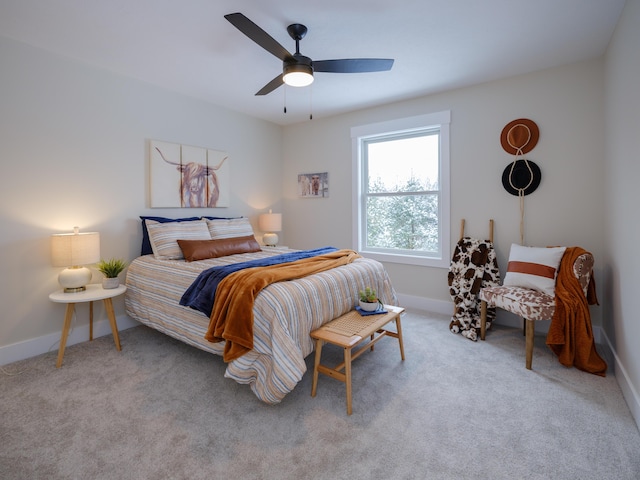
(284, 313)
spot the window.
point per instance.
(401, 190)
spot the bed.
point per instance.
(284, 312)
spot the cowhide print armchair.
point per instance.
(530, 305)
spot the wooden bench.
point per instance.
(349, 331)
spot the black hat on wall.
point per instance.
(521, 175)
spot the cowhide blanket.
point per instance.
(473, 266)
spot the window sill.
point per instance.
(407, 259)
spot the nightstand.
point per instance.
(93, 293)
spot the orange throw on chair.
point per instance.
(570, 335)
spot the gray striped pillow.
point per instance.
(232, 228)
(164, 237)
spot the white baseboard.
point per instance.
(629, 392)
(51, 342)
(441, 307)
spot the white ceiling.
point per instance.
(187, 46)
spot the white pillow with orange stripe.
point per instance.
(534, 268)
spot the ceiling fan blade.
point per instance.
(271, 86)
(255, 33)
(353, 65)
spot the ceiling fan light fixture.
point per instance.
(298, 69)
(298, 75)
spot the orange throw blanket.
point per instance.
(570, 336)
(232, 315)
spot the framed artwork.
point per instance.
(183, 176)
(313, 185)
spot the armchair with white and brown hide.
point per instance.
(554, 284)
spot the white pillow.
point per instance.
(231, 228)
(534, 268)
(164, 237)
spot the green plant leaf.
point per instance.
(111, 268)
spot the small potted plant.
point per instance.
(369, 301)
(111, 269)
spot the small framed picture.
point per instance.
(313, 185)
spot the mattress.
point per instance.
(284, 313)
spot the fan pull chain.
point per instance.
(311, 103)
(285, 97)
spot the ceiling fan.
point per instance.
(297, 70)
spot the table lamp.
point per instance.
(74, 251)
(270, 223)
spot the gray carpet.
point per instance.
(454, 409)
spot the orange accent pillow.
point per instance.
(203, 249)
(534, 268)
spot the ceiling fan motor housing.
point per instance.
(297, 70)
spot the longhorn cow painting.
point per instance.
(183, 176)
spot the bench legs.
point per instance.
(347, 377)
(316, 364)
(348, 357)
(333, 372)
(399, 336)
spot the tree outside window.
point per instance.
(403, 195)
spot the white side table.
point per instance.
(92, 293)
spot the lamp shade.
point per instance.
(73, 250)
(270, 222)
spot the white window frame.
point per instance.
(439, 120)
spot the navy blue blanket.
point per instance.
(201, 293)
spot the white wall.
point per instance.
(566, 209)
(621, 221)
(74, 150)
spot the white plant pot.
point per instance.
(369, 307)
(108, 283)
